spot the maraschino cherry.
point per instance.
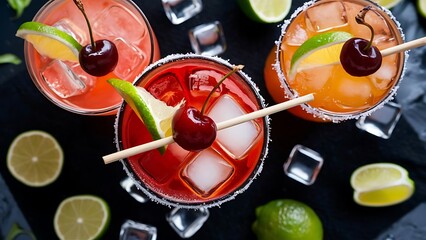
(192, 130)
(358, 56)
(99, 57)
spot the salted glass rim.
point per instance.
(156, 197)
(329, 115)
(52, 97)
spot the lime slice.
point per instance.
(50, 41)
(381, 184)
(388, 3)
(319, 50)
(270, 11)
(421, 6)
(81, 217)
(35, 158)
(156, 115)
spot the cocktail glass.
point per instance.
(210, 177)
(338, 95)
(65, 83)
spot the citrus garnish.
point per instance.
(319, 50)
(270, 11)
(381, 184)
(388, 3)
(50, 41)
(287, 219)
(156, 115)
(81, 217)
(421, 6)
(35, 158)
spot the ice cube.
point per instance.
(303, 164)
(297, 36)
(237, 139)
(167, 88)
(131, 230)
(325, 16)
(186, 222)
(178, 11)
(202, 82)
(382, 78)
(129, 58)
(72, 29)
(207, 172)
(208, 39)
(62, 80)
(117, 21)
(353, 92)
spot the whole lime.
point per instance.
(286, 219)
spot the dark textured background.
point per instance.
(86, 139)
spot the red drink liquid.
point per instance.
(171, 175)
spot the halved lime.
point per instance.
(156, 115)
(421, 6)
(82, 217)
(270, 11)
(319, 50)
(381, 184)
(388, 3)
(35, 158)
(50, 41)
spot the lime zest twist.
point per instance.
(234, 69)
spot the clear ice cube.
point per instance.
(66, 25)
(178, 11)
(167, 88)
(62, 79)
(207, 172)
(325, 16)
(237, 139)
(303, 164)
(208, 39)
(131, 230)
(186, 222)
(296, 37)
(129, 58)
(381, 122)
(203, 81)
(130, 187)
(118, 22)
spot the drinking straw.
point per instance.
(222, 125)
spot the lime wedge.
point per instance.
(319, 50)
(388, 3)
(50, 41)
(381, 184)
(270, 11)
(81, 217)
(421, 6)
(35, 158)
(156, 115)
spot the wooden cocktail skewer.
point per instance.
(222, 125)
(404, 46)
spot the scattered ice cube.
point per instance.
(178, 11)
(381, 122)
(297, 36)
(303, 164)
(131, 230)
(62, 80)
(207, 172)
(118, 22)
(131, 188)
(325, 16)
(186, 222)
(129, 58)
(72, 29)
(208, 39)
(236, 139)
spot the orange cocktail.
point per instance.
(338, 95)
(211, 176)
(65, 83)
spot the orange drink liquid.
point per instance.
(65, 83)
(214, 175)
(338, 95)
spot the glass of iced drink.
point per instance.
(338, 95)
(65, 83)
(209, 177)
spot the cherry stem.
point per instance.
(234, 69)
(360, 20)
(80, 6)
